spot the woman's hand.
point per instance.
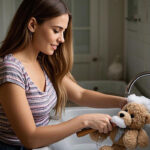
(100, 122)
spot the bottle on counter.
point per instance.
(115, 70)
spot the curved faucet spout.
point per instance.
(131, 83)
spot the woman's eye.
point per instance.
(56, 31)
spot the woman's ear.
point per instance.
(32, 24)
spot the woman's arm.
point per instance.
(91, 98)
(16, 107)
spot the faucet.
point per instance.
(131, 83)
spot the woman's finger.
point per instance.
(105, 129)
(100, 130)
(109, 126)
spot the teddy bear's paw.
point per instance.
(118, 147)
(143, 139)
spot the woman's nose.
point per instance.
(61, 39)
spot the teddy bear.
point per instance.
(130, 120)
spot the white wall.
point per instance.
(7, 10)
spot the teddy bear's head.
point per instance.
(134, 115)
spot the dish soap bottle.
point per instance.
(115, 70)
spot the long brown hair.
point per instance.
(60, 63)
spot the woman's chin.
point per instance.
(50, 52)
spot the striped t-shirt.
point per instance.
(41, 103)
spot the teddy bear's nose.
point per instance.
(121, 115)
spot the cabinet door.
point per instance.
(85, 35)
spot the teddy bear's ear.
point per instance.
(148, 118)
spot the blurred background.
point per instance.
(111, 38)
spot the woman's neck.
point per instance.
(26, 55)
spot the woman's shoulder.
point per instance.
(8, 62)
(11, 71)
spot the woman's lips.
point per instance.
(54, 47)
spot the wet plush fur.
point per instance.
(135, 117)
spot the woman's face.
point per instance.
(50, 34)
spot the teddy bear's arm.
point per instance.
(130, 139)
(143, 138)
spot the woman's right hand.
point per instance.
(100, 122)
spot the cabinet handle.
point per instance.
(133, 19)
(95, 59)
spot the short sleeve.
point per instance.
(11, 72)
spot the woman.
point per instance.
(36, 60)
